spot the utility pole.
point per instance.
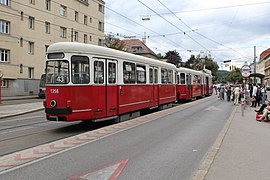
(255, 79)
(254, 59)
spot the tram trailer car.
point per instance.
(87, 82)
(192, 84)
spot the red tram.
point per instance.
(87, 82)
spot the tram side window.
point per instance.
(99, 72)
(177, 78)
(182, 78)
(141, 74)
(129, 72)
(151, 77)
(80, 70)
(170, 76)
(156, 76)
(112, 73)
(196, 79)
(164, 76)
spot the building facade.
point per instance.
(28, 27)
(265, 55)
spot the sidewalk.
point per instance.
(17, 109)
(241, 151)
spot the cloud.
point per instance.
(228, 29)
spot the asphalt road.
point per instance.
(169, 147)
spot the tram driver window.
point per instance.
(80, 69)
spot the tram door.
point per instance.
(111, 88)
(153, 79)
(189, 85)
(207, 86)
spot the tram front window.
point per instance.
(57, 72)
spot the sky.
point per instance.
(225, 30)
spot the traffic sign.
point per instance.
(246, 70)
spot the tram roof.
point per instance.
(81, 48)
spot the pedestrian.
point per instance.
(265, 110)
(236, 93)
(222, 91)
(229, 92)
(263, 94)
(254, 95)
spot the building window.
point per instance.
(100, 42)
(31, 22)
(85, 2)
(76, 18)
(46, 48)
(90, 38)
(100, 26)
(4, 55)
(30, 47)
(85, 38)
(48, 5)
(63, 32)
(47, 27)
(63, 10)
(90, 20)
(22, 15)
(85, 20)
(101, 8)
(32, 1)
(31, 72)
(4, 83)
(21, 42)
(76, 36)
(4, 26)
(4, 2)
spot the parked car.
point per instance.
(41, 92)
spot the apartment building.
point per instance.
(28, 27)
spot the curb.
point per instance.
(21, 113)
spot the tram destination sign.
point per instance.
(245, 70)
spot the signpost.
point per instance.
(245, 71)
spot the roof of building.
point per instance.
(265, 54)
(136, 46)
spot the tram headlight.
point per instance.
(53, 103)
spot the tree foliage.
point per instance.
(114, 43)
(173, 57)
(199, 63)
(235, 76)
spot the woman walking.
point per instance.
(236, 93)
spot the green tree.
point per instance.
(199, 63)
(173, 57)
(235, 76)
